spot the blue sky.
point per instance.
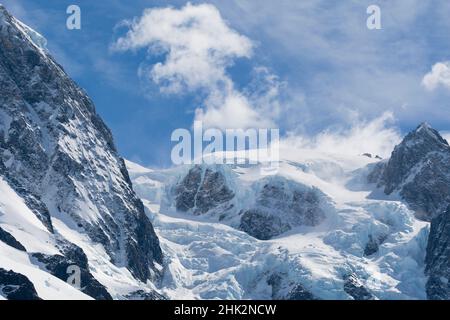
(310, 65)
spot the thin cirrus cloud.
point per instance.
(438, 76)
(198, 47)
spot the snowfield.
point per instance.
(19, 221)
(208, 259)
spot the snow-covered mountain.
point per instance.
(329, 226)
(316, 231)
(418, 172)
(326, 226)
(66, 197)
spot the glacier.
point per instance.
(209, 257)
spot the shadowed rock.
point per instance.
(58, 266)
(438, 258)
(356, 289)
(283, 290)
(15, 286)
(419, 170)
(201, 190)
(7, 238)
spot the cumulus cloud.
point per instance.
(198, 47)
(438, 76)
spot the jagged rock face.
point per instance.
(301, 205)
(356, 289)
(15, 286)
(282, 205)
(414, 148)
(201, 190)
(58, 265)
(32, 200)
(60, 157)
(438, 258)
(262, 225)
(275, 206)
(373, 244)
(7, 238)
(419, 169)
(143, 295)
(283, 290)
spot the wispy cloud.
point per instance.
(198, 48)
(343, 69)
(378, 137)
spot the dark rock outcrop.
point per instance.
(7, 238)
(278, 204)
(282, 290)
(15, 286)
(301, 205)
(145, 295)
(58, 265)
(262, 225)
(356, 289)
(419, 170)
(438, 258)
(373, 244)
(201, 190)
(282, 205)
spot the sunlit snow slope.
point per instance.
(364, 249)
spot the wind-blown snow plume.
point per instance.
(377, 137)
(198, 46)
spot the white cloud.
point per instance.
(325, 50)
(233, 111)
(378, 137)
(198, 43)
(438, 76)
(198, 46)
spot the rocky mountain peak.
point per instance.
(12, 26)
(423, 135)
(59, 156)
(424, 126)
(420, 161)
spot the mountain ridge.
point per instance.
(60, 158)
